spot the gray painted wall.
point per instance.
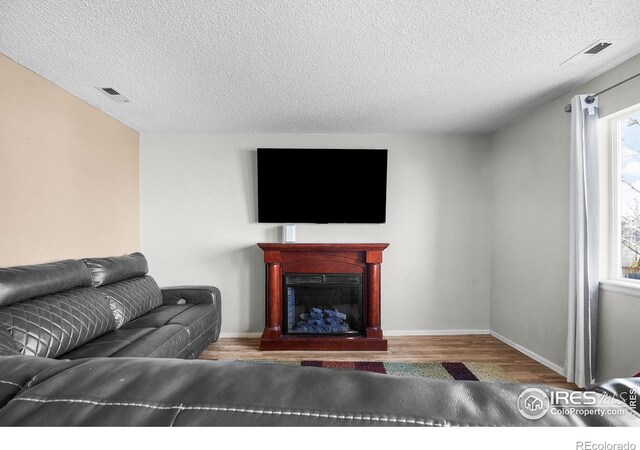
(198, 214)
(478, 228)
(619, 335)
(529, 192)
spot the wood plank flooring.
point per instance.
(467, 348)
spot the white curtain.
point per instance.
(583, 237)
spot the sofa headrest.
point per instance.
(116, 268)
(24, 282)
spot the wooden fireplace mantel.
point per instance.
(363, 258)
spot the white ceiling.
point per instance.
(322, 66)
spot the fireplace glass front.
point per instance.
(323, 303)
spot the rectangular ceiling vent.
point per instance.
(597, 48)
(588, 53)
(113, 94)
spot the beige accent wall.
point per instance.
(69, 174)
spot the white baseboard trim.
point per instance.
(433, 332)
(531, 354)
(242, 334)
(254, 335)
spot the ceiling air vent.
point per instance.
(113, 94)
(598, 48)
(587, 54)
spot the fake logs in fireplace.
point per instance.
(323, 304)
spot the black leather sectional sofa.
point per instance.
(103, 307)
(96, 342)
(171, 392)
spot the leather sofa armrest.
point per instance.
(176, 295)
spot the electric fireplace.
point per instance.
(323, 303)
(322, 297)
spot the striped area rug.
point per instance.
(473, 371)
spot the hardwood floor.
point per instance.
(467, 348)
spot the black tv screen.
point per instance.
(322, 185)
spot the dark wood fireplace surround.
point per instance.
(363, 259)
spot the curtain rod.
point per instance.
(590, 98)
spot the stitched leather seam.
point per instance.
(206, 330)
(8, 348)
(189, 342)
(11, 383)
(87, 320)
(188, 327)
(192, 341)
(88, 344)
(196, 322)
(132, 306)
(275, 412)
(175, 336)
(178, 411)
(195, 341)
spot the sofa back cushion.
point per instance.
(25, 282)
(54, 324)
(132, 298)
(110, 270)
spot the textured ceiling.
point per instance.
(319, 66)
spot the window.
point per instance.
(624, 133)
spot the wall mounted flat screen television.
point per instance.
(322, 185)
